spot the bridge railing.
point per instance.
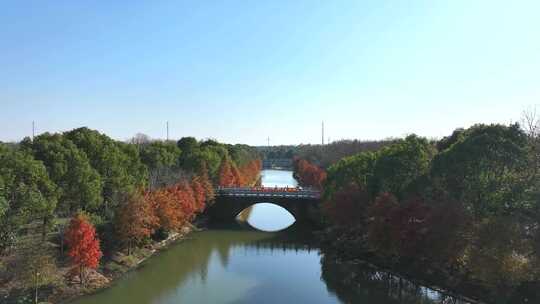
(269, 192)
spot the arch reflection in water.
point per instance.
(266, 217)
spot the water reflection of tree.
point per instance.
(360, 282)
(192, 259)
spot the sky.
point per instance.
(243, 71)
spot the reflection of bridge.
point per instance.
(230, 201)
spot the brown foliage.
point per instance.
(308, 174)
(226, 177)
(347, 207)
(136, 219)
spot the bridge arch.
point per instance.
(266, 217)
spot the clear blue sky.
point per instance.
(239, 71)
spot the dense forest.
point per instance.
(97, 197)
(462, 212)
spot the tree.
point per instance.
(117, 163)
(400, 164)
(308, 174)
(226, 177)
(347, 206)
(185, 197)
(206, 183)
(140, 139)
(199, 193)
(27, 193)
(251, 171)
(79, 184)
(484, 169)
(135, 220)
(356, 170)
(36, 266)
(168, 210)
(187, 144)
(238, 178)
(83, 244)
(160, 154)
(380, 232)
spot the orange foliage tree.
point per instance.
(199, 193)
(204, 179)
(226, 177)
(83, 244)
(184, 196)
(238, 178)
(168, 211)
(231, 175)
(250, 171)
(135, 220)
(308, 174)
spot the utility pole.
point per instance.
(33, 130)
(167, 130)
(268, 140)
(322, 133)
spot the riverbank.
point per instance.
(353, 263)
(66, 289)
(120, 264)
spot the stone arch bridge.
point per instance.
(230, 201)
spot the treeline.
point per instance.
(323, 155)
(462, 211)
(130, 192)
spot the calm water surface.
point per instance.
(240, 265)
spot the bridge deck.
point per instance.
(268, 192)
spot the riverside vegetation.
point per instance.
(461, 213)
(79, 208)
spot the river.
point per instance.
(239, 264)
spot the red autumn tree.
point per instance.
(135, 220)
(83, 245)
(409, 226)
(226, 177)
(347, 206)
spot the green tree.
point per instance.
(484, 169)
(117, 163)
(78, 183)
(188, 144)
(159, 154)
(400, 164)
(356, 170)
(27, 192)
